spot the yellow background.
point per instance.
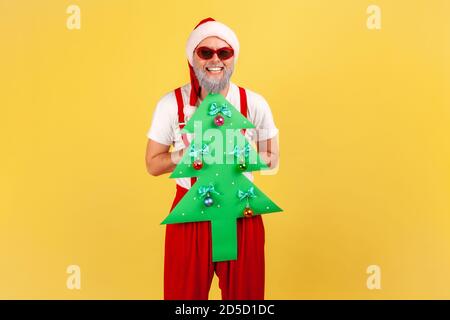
(364, 135)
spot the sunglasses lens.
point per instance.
(225, 53)
(205, 53)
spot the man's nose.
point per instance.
(215, 57)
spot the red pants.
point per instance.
(188, 266)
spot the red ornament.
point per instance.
(248, 212)
(198, 164)
(219, 120)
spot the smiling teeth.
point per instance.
(214, 69)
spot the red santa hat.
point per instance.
(207, 28)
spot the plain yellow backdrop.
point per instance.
(364, 116)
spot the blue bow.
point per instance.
(214, 109)
(246, 195)
(204, 190)
(195, 152)
(241, 151)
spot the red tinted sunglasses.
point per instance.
(206, 53)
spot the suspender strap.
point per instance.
(243, 99)
(181, 123)
(180, 107)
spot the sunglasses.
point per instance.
(206, 53)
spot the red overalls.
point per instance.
(188, 266)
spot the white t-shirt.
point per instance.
(164, 127)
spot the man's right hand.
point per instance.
(159, 160)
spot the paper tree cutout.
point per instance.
(222, 192)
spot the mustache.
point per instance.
(215, 66)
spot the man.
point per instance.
(212, 51)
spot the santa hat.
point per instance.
(207, 28)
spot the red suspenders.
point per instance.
(243, 98)
(243, 101)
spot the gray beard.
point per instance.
(213, 86)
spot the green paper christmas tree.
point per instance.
(218, 156)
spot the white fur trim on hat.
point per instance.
(209, 29)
